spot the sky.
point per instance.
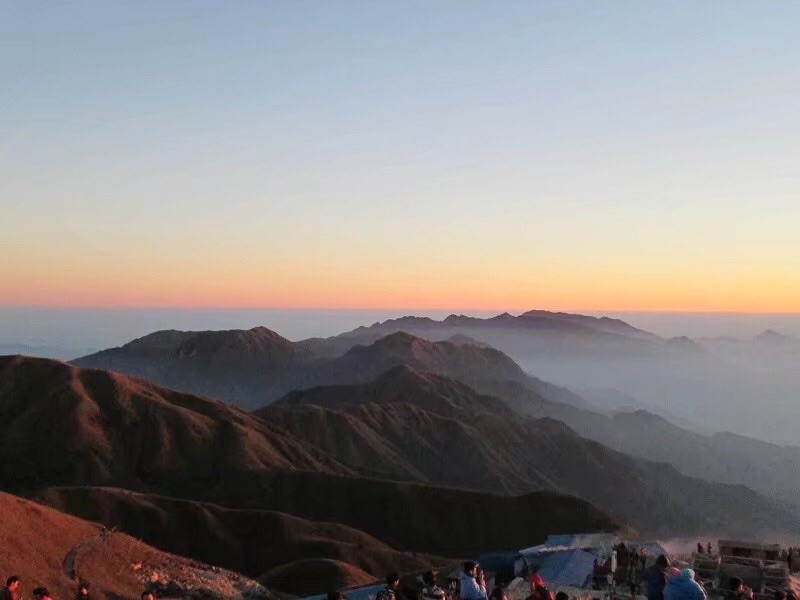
(619, 156)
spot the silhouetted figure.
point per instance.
(430, 590)
(737, 590)
(148, 595)
(471, 584)
(709, 547)
(656, 578)
(700, 548)
(643, 558)
(562, 596)
(11, 591)
(41, 593)
(390, 592)
(538, 590)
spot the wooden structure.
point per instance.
(758, 565)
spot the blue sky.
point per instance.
(576, 155)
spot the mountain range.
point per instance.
(255, 367)
(196, 476)
(227, 446)
(529, 334)
(724, 458)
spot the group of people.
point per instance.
(11, 591)
(665, 582)
(470, 585)
(707, 550)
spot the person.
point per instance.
(538, 590)
(790, 559)
(471, 585)
(700, 548)
(11, 591)
(336, 596)
(562, 596)
(709, 548)
(656, 578)
(41, 593)
(737, 590)
(148, 595)
(682, 586)
(498, 593)
(83, 591)
(643, 558)
(431, 591)
(390, 591)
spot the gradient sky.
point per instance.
(586, 155)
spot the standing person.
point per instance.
(472, 585)
(656, 578)
(700, 548)
(11, 591)
(643, 559)
(390, 592)
(709, 547)
(682, 586)
(41, 593)
(790, 559)
(737, 590)
(431, 591)
(538, 590)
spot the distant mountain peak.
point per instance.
(770, 336)
(685, 344)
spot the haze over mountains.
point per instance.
(241, 433)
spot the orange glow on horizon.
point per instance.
(395, 284)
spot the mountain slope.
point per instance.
(249, 541)
(400, 437)
(422, 518)
(769, 469)
(237, 365)
(45, 547)
(104, 429)
(443, 395)
(70, 426)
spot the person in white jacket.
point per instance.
(472, 585)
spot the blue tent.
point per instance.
(572, 567)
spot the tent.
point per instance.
(600, 544)
(572, 567)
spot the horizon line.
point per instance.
(464, 310)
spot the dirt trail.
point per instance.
(70, 561)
